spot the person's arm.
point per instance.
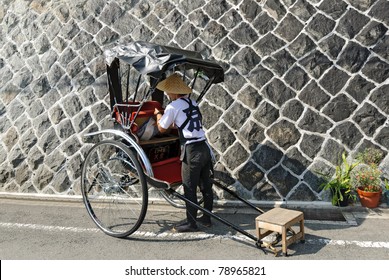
(158, 116)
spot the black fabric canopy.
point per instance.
(154, 60)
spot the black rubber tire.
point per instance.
(114, 188)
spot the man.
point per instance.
(184, 114)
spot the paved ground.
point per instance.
(52, 230)
(34, 229)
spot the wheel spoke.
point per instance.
(114, 188)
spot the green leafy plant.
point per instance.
(340, 184)
(386, 185)
(370, 156)
(368, 178)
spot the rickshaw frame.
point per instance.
(154, 61)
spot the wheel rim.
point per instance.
(114, 188)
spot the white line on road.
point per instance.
(189, 236)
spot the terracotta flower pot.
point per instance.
(369, 199)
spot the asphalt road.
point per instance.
(55, 230)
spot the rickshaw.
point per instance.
(118, 172)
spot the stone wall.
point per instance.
(305, 81)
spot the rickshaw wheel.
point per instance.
(114, 188)
(173, 200)
(178, 203)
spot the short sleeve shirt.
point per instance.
(174, 114)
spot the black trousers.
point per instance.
(196, 169)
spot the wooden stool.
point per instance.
(280, 220)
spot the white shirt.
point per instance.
(174, 113)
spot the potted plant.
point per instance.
(366, 178)
(340, 185)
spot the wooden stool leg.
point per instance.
(302, 231)
(284, 245)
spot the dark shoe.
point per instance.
(186, 227)
(205, 221)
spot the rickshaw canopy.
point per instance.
(153, 59)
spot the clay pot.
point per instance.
(369, 199)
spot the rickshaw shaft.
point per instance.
(214, 216)
(237, 196)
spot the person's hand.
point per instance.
(156, 112)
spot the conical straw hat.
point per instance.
(174, 84)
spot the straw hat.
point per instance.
(174, 84)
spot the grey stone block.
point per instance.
(369, 119)
(213, 33)
(221, 137)
(353, 57)
(362, 5)
(334, 80)
(320, 26)
(280, 62)
(277, 92)
(215, 9)
(236, 156)
(269, 44)
(211, 114)
(264, 23)
(28, 140)
(225, 49)
(380, 11)
(251, 135)
(283, 179)
(249, 97)
(311, 144)
(289, 28)
(334, 8)
(265, 192)
(230, 19)
(380, 98)
(236, 115)
(371, 33)
(260, 76)
(266, 114)
(186, 34)
(359, 88)
(244, 34)
(348, 134)
(314, 122)
(106, 36)
(245, 60)
(303, 10)
(316, 64)
(49, 141)
(295, 161)
(339, 108)
(111, 13)
(332, 45)
(293, 109)
(250, 9)
(267, 156)
(275, 9)
(351, 23)
(383, 137)
(250, 175)
(296, 78)
(284, 134)
(174, 20)
(82, 121)
(376, 69)
(302, 193)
